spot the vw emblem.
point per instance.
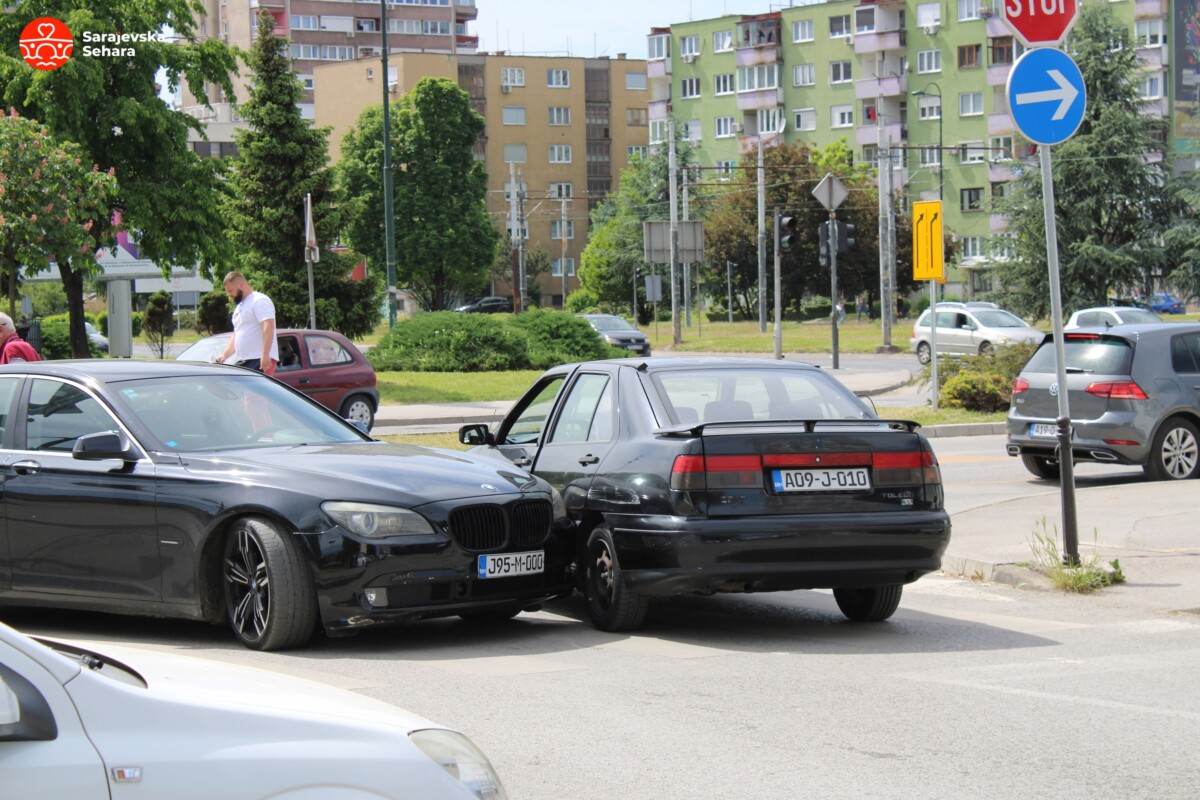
(488, 487)
(1054, 389)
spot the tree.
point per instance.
(1113, 207)
(49, 200)
(109, 106)
(158, 323)
(445, 243)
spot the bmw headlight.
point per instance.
(462, 760)
(375, 521)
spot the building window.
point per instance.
(558, 78)
(559, 115)
(410, 27)
(1001, 148)
(752, 79)
(306, 52)
(1002, 50)
(512, 231)
(770, 119)
(658, 47)
(336, 53)
(556, 266)
(968, 9)
(724, 127)
(972, 247)
(805, 119)
(970, 104)
(691, 130)
(929, 61)
(307, 81)
(659, 130)
(513, 115)
(556, 229)
(560, 190)
(512, 76)
(971, 199)
(636, 151)
(1150, 87)
(689, 88)
(560, 154)
(1149, 33)
(434, 27)
(930, 156)
(637, 117)
(366, 25)
(864, 20)
(804, 75)
(1002, 190)
(304, 22)
(802, 30)
(841, 116)
(839, 72)
(969, 55)
(1003, 247)
(722, 41)
(514, 153)
(723, 84)
(839, 27)
(971, 153)
(929, 107)
(689, 46)
(725, 168)
(758, 33)
(635, 81)
(929, 15)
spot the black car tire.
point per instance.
(269, 596)
(610, 606)
(873, 604)
(923, 353)
(359, 408)
(986, 349)
(1175, 454)
(1041, 466)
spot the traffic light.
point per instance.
(787, 232)
(823, 243)
(845, 237)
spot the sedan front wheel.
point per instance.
(269, 594)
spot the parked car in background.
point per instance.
(619, 332)
(1164, 303)
(488, 305)
(704, 475)
(97, 339)
(126, 722)
(212, 492)
(325, 365)
(964, 330)
(1107, 316)
(1134, 395)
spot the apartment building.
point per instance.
(567, 126)
(321, 32)
(923, 80)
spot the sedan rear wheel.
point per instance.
(359, 409)
(873, 604)
(1175, 454)
(1041, 466)
(610, 606)
(269, 593)
(923, 352)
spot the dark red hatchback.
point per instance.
(324, 365)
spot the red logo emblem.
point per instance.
(46, 43)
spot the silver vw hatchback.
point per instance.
(965, 329)
(1134, 397)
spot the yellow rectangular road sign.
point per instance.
(928, 255)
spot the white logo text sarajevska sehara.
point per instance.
(118, 40)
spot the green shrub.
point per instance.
(56, 338)
(558, 337)
(977, 391)
(581, 301)
(820, 309)
(214, 315)
(1007, 361)
(444, 341)
(185, 320)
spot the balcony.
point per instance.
(997, 223)
(997, 74)
(1153, 57)
(1004, 171)
(763, 98)
(878, 42)
(659, 90)
(1000, 124)
(869, 134)
(887, 86)
(754, 56)
(659, 109)
(1148, 9)
(748, 142)
(465, 10)
(468, 43)
(658, 68)
(1154, 108)
(996, 27)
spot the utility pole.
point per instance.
(514, 235)
(729, 288)
(389, 215)
(562, 229)
(687, 265)
(673, 193)
(762, 240)
(521, 240)
(886, 302)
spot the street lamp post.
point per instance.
(933, 318)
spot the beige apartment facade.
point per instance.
(564, 127)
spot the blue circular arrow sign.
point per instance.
(1046, 95)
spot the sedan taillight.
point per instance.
(1117, 390)
(1020, 385)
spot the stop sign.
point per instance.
(1040, 22)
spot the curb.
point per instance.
(1007, 574)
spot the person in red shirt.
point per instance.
(12, 347)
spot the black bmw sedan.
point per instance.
(209, 492)
(705, 475)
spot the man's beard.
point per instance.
(237, 298)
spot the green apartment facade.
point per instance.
(925, 80)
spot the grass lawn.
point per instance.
(798, 337)
(453, 387)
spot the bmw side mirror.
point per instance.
(102, 446)
(475, 435)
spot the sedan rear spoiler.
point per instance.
(698, 428)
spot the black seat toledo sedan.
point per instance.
(698, 475)
(211, 492)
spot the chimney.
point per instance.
(620, 56)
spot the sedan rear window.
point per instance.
(770, 394)
(1092, 354)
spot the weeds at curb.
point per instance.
(1086, 577)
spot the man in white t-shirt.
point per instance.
(253, 342)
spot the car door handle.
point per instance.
(521, 461)
(589, 459)
(303, 381)
(26, 467)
